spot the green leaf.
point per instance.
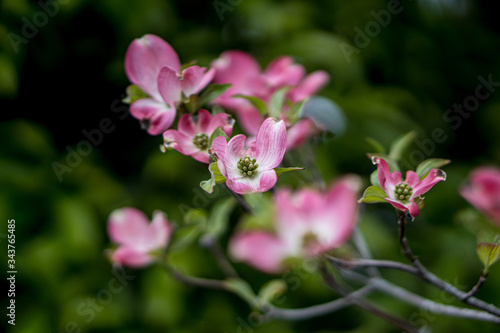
(401, 144)
(427, 165)
(196, 217)
(488, 253)
(210, 93)
(257, 102)
(191, 103)
(373, 194)
(217, 178)
(218, 132)
(376, 146)
(134, 93)
(242, 289)
(272, 290)
(277, 101)
(280, 171)
(219, 218)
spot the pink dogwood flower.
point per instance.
(250, 169)
(401, 194)
(246, 77)
(194, 132)
(137, 239)
(483, 191)
(307, 223)
(154, 66)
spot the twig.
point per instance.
(475, 289)
(241, 201)
(419, 301)
(227, 268)
(195, 281)
(373, 263)
(330, 280)
(320, 309)
(427, 276)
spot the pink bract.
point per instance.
(194, 132)
(307, 222)
(137, 239)
(483, 191)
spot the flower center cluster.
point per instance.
(248, 166)
(201, 141)
(403, 192)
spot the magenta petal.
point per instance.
(309, 86)
(180, 142)
(191, 79)
(282, 72)
(219, 148)
(235, 67)
(131, 257)
(161, 121)
(341, 207)
(260, 250)
(396, 204)
(434, 176)
(158, 233)
(205, 80)
(236, 147)
(413, 209)
(187, 125)
(222, 120)
(270, 144)
(204, 120)
(250, 119)
(126, 225)
(169, 86)
(299, 132)
(261, 182)
(412, 178)
(483, 191)
(144, 59)
(386, 180)
(155, 117)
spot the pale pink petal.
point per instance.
(260, 250)
(340, 213)
(236, 147)
(205, 80)
(250, 119)
(191, 79)
(299, 132)
(434, 176)
(483, 191)
(131, 257)
(282, 72)
(180, 142)
(169, 86)
(159, 231)
(127, 225)
(235, 67)
(144, 59)
(261, 182)
(308, 86)
(271, 144)
(219, 148)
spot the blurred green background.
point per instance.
(59, 80)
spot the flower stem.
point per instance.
(241, 201)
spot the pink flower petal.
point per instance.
(386, 180)
(169, 86)
(283, 72)
(235, 67)
(483, 191)
(236, 147)
(159, 231)
(205, 80)
(132, 257)
(250, 119)
(299, 132)
(144, 59)
(191, 79)
(180, 142)
(413, 209)
(219, 148)
(261, 182)
(270, 144)
(125, 225)
(412, 178)
(222, 120)
(161, 121)
(155, 117)
(434, 176)
(397, 204)
(309, 86)
(261, 250)
(187, 125)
